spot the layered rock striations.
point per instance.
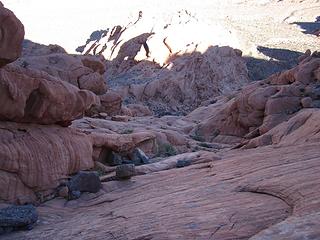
(261, 106)
(37, 150)
(257, 178)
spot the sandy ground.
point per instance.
(255, 23)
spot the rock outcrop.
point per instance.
(263, 105)
(33, 96)
(85, 73)
(171, 69)
(30, 48)
(187, 81)
(250, 162)
(11, 36)
(37, 151)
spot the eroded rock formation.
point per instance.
(35, 97)
(263, 105)
(35, 159)
(228, 191)
(187, 81)
(11, 36)
(85, 73)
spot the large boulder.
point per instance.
(11, 36)
(17, 217)
(36, 97)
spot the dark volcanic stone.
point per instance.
(138, 157)
(74, 195)
(114, 159)
(110, 158)
(17, 217)
(183, 163)
(85, 182)
(125, 171)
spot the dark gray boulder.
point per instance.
(85, 182)
(183, 163)
(17, 218)
(138, 157)
(125, 171)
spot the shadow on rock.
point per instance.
(280, 60)
(310, 27)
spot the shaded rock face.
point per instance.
(11, 36)
(172, 69)
(301, 128)
(84, 182)
(139, 110)
(187, 81)
(110, 103)
(263, 105)
(34, 158)
(138, 157)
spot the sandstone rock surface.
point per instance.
(188, 80)
(263, 105)
(11, 36)
(256, 176)
(84, 73)
(35, 159)
(247, 194)
(33, 96)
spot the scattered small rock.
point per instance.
(118, 118)
(74, 195)
(114, 159)
(183, 163)
(63, 192)
(316, 104)
(138, 157)
(17, 218)
(306, 102)
(125, 171)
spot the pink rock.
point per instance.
(36, 158)
(11, 36)
(69, 68)
(35, 97)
